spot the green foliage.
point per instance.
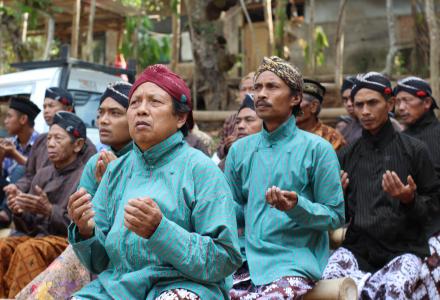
(320, 44)
(141, 44)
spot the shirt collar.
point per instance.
(287, 129)
(161, 153)
(425, 120)
(29, 144)
(382, 138)
(124, 149)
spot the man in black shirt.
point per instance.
(415, 105)
(392, 187)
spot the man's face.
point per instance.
(273, 98)
(372, 109)
(246, 87)
(60, 148)
(50, 108)
(309, 107)
(348, 103)
(410, 108)
(151, 117)
(247, 122)
(14, 121)
(113, 124)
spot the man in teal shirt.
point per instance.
(287, 181)
(160, 224)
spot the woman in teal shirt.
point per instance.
(163, 214)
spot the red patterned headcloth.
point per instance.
(170, 82)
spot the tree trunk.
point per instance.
(209, 53)
(25, 27)
(392, 39)
(88, 54)
(434, 60)
(268, 17)
(175, 48)
(339, 64)
(49, 35)
(280, 20)
(312, 37)
(75, 27)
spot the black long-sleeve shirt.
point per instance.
(382, 228)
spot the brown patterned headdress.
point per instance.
(287, 72)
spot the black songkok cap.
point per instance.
(314, 88)
(59, 94)
(417, 87)
(372, 81)
(248, 102)
(25, 106)
(118, 91)
(70, 122)
(347, 83)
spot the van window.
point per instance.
(86, 106)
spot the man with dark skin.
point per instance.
(415, 105)
(391, 189)
(40, 216)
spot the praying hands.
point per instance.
(37, 204)
(105, 157)
(393, 186)
(281, 200)
(81, 213)
(142, 216)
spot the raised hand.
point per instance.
(281, 200)
(142, 216)
(81, 213)
(393, 186)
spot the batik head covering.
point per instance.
(171, 83)
(417, 87)
(248, 102)
(70, 122)
(314, 88)
(59, 94)
(118, 91)
(287, 72)
(26, 106)
(373, 81)
(347, 83)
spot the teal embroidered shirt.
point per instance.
(295, 242)
(195, 247)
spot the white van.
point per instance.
(86, 82)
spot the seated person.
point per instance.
(56, 99)
(160, 224)
(287, 181)
(415, 106)
(308, 120)
(19, 123)
(391, 189)
(227, 132)
(66, 274)
(246, 122)
(40, 216)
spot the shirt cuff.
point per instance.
(76, 239)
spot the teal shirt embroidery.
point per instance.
(195, 246)
(292, 243)
(88, 178)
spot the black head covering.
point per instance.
(248, 102)
(417, 87)
(373, 81)
(70, 122)
(118, 91)
(347, 83)
(25, 106)
(59, 94)
(314, 88)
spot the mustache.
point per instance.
(262, 102)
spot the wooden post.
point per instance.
(268, 17)
(339, 64)
(175, 48)
(312, 37)
(434, 57)
(88, 55)
(392, 39)
(75, 27)
(280, 21)
(25, 27)
(49, 35)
